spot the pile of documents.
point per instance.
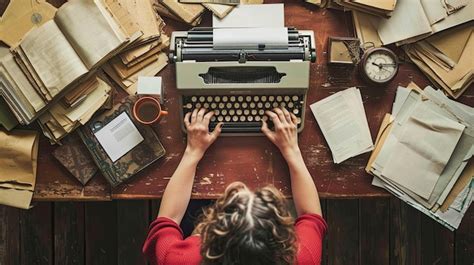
(412, 20)
(60, 120)
(343, 122)
(145, 56)
(56, 56)
(191, 11)
(423, 152)
(382, 8)
(446, 58)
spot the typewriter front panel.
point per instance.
(239, 95)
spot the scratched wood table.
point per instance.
(253, 160)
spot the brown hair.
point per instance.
(245, 227)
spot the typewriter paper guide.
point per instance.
(250, 37)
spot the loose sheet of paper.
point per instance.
(119, 136)
(252, 16)
(342, 120)
(250, 37)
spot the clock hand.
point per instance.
(380, 65)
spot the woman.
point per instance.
(242, 227)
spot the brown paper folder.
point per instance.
(18, 161)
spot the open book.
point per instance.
(53, 57)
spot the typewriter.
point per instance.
(239, 83)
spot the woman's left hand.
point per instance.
(199, 137)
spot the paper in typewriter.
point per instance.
(250, 26)
(253, 16)
(343, 123)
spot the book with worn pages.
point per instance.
(55, 56)
(142, 155)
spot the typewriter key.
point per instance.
(248, 98)
(217, 99)
(240, 99)
(244, 105)
(279, 98)
(264, 98)
(271, 98)
(193, 99)
(295, 98)
(287, 98)
(235, 118)
(246, 112)
(202, 99)
(224, 112)
(225, 99)
(242, 118)
(239, 112)
(254, 112)
(232, 98)
(231, 112)
(227, 118)
(209, 99)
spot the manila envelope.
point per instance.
(21, 16)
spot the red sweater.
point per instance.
(165, 243)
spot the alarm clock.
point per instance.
(378, 66)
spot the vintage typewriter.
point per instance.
(240, 83)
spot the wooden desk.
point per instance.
(253, 160)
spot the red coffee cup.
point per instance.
(147, 110)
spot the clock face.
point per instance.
(380, 66)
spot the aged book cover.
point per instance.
(141, 156)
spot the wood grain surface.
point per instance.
(253, 160)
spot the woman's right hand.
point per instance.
(285, 136)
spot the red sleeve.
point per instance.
(163, 233)
(310, 231)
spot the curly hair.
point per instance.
(245, 227)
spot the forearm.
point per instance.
(305, 194)
(178, 191)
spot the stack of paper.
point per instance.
(191, 11)
(382, 8)
(423, 151)
(145, 56)
(446, 58)
(415, 20)
(60, 120)
(343, 122)
(53, 58)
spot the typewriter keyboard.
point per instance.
(243, 113)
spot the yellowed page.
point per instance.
(53, 58)
(88, 31)
(21, 82)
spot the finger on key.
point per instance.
(200, 115)
(280, 114)
(194, 116)
(294, 119)
(186, 120)
(208, 117)
(287, 115)
(274, 117)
